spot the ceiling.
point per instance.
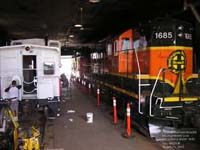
(55, 19)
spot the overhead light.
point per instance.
(71, 36)
(78, 25)
(81, 28)
(94, 1)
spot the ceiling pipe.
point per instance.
(193, 9)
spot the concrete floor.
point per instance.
(71, 131)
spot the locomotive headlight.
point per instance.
(180, 31)
(180, 27)
(180, 35)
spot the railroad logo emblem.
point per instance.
(177, 61)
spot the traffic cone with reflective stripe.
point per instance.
(98, 97)
(128, 133)
(114, 110)
(89, 89)
(128, 120)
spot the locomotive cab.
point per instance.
(170, 99)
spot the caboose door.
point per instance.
(29, 74)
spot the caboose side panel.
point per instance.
(48, 73)
(36, 68)
(9, 67)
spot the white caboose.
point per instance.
(34, 66)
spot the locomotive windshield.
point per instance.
(171, 33)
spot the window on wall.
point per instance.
(49, 68)
(109, 49)
(116, 48)
(125, 44)
(140, 43)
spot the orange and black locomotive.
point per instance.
(151, 67)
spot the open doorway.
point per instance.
(29, 74)
(66, 67)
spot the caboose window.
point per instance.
(49, 68)
(125, 44)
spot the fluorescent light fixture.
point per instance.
(78, 25)
(94, 1)
(71, 35)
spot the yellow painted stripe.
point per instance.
(147, 77)
(142, 77)
(170, 47)
(176, 99)
(15, 123)
(132, 94)
(193, 76)
(15, 136)
(160, 48)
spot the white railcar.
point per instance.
(36, 68)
